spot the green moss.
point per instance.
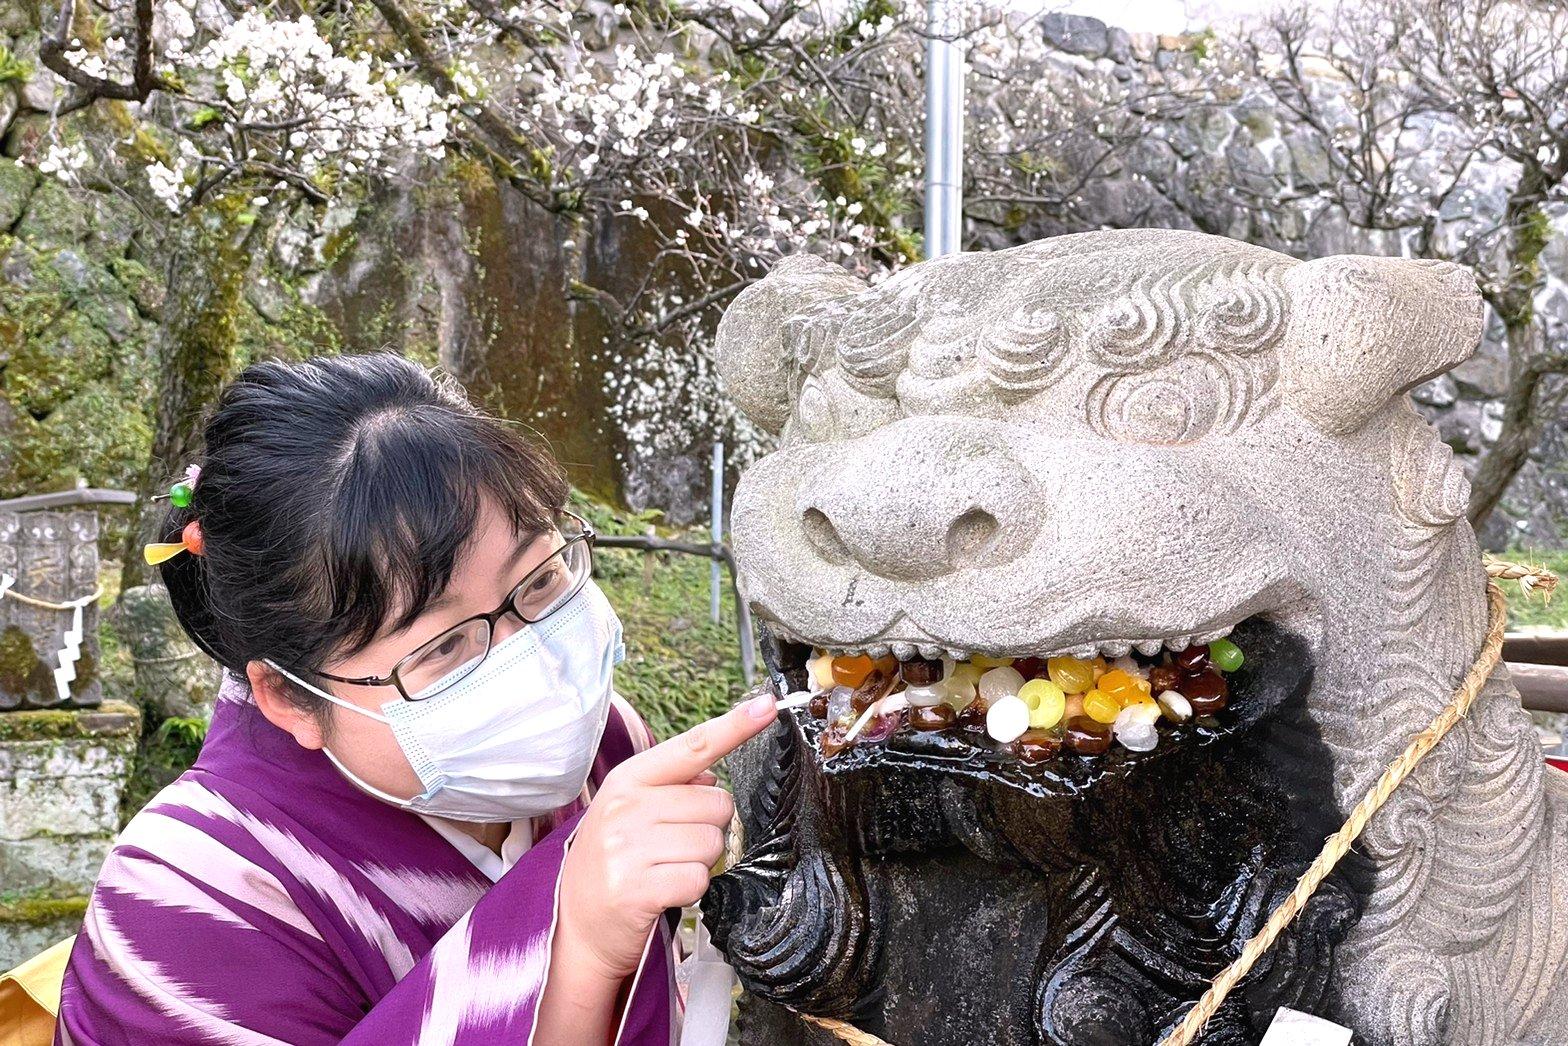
(21, 671)
(35, 910)
(61, 724)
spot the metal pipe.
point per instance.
(716, 524)
(944, 128)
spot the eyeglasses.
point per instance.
(454, 654)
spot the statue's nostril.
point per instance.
(821, 533)
(969, 536)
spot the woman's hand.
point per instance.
(651, 835)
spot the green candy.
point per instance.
(1227, 656)
(180, 495)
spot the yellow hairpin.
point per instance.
(162, 551)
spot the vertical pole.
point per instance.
(716, 514)
(944, 127)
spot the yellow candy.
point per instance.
(1073, 675)
(1119, 685)
(1074, 708)
(821, 672)
(1100, 706)
(981, 661)
(1046, 703)
(1100, 668)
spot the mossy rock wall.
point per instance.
(61, 776)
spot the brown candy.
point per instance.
(1037, 745)
(920, 671)
(1086, 737)
(818, 705)
(936, 717)
(1030, 667)
(876, 686)
(1207, 692)
(1163, 678)
(973, 714)
(832, 741)
(1194, 659)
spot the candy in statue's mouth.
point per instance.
(1052, 711)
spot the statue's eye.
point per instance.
(815, 412)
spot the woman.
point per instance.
(388, 836)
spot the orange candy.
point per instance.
(1121, 686)
(852, 671)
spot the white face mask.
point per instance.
(518, 736)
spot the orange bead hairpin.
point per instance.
(180, 496)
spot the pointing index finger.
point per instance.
(684, 756)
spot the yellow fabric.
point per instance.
(159, 551)
(30, 997)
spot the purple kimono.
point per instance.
(261, 898)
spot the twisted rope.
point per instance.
(44, 604)
(1339, 843)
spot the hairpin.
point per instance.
(190, 541)
(180, 496)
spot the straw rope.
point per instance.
(1338, 844)
(44, 604)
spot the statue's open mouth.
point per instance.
(1048, 724)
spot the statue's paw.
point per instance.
(1094, 1008)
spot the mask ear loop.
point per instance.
(353, 778)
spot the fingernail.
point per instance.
(760, 706)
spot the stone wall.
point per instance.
(61, 777)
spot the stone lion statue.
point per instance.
(1120, 441)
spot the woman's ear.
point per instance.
(266, 685)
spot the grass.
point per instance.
(1535, 612)
(680, 667)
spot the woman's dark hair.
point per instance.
(335, 497)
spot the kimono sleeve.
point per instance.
(205, 971)
(483, 981)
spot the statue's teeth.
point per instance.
(930, 650)
(903, 651)
(1114, 647)
(877, 649)
(1148, 647)
(1209, 637)
(955, 653)
(1178, 642)
(1085, 652)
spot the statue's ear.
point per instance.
(759, 365)
(1365, 329)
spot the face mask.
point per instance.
(517, 737)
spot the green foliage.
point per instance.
(166, 749)
(13, 70)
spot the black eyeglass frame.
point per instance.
(508, 606)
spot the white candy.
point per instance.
(958, 691)
(925, 696)
(1008, 716)
(1134, 727)
(999, 683)
(1175, 705)
(1139, 737)
(1131, 667)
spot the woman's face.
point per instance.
(490, 566)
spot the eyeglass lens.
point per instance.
(452, 655)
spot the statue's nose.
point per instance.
(917, 504)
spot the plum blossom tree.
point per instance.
(1437, 126)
